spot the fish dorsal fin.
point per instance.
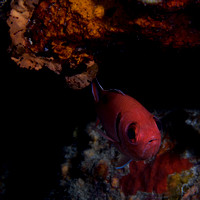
(96, 89)
(117, 91)
(123, 161)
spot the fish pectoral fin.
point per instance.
(105, 136)
(123, 161)
(101, 132)
(97, 122)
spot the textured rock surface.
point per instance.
(39, 112)
(173, 174)
(67, 35)
(33, 39)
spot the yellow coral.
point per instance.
(176, 183)
(64, 52)
(83, 7)
(99, 12)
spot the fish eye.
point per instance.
(158, 123)
(131, 132)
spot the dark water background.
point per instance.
(39, 112)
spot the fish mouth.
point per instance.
(151, 148)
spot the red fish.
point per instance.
(132, 129)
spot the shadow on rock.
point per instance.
(184, 135)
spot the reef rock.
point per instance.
(68, 35)
(172, 174)
(39, 40)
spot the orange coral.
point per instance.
(67, 33)
(62, 22)
(174, 4)
(101, 170)
(174, 30)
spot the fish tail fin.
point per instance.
(96, 89)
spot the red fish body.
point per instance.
(127, 123)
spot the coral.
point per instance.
(52, 21)
(194, 120)
(17, 21)
(98, 177)
(176, 183)
(82, 80)
(173, 27)
(174, 30)
(70, 34)
(175, 4)
(64, 22)
(193, 193)
(171, 175)
(33, 62)
(101, 170)
(152, 177)
(2, 3)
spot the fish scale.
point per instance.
(121, 114)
